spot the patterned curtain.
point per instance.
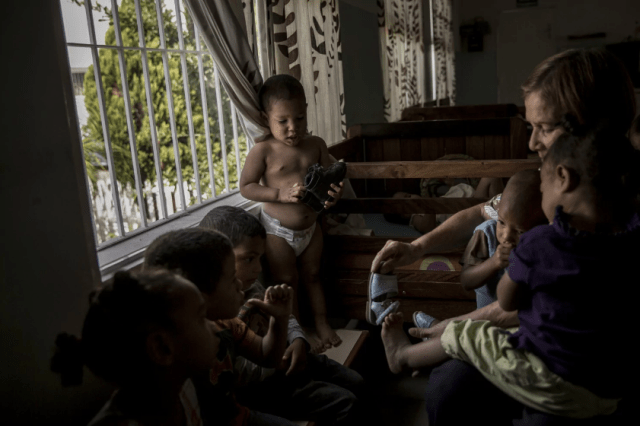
(443, 51)
(302, 38)
(402, 55)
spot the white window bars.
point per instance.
(177, 158)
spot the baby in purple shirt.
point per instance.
(568, 358)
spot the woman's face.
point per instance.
(546, 122)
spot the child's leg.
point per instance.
(402, 354)
(309, 263)
(324, 369)
(282, 264)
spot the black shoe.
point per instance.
(318, 182)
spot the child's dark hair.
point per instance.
(234, 222)
(197, 254)
(602, 158)
(277, 87)
(523, 190)
(121, 315)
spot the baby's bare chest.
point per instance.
(285, 164)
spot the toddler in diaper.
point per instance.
(274, 173)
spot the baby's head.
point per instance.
(520, 207)
(247, 235)
(141, 324)
(284, 108)
(206, 259)
(600, 166)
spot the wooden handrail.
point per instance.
(405, 205)
(433, 128)
(420, 113)
(438, 169)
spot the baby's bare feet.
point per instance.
(328, 336)
(316, 346)
(394, 340)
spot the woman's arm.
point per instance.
(452, 233)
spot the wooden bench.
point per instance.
(491, 138)
(423, 113)
(381, 157)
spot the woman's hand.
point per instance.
(336, 194)
(394, 254)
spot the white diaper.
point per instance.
(298, 240)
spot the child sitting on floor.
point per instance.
(565, 281)
(146, 333)
(487, 254)
(206, 258)
(305, 386)
(273, 173)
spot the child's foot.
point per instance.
(328, 337)
(316, 346)
(394, 340)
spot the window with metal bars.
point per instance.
(160, 136)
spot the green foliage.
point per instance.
(115, 109)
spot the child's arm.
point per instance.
(325, 161)
(268, 351)
(295, 356)
(509, 293)
(474, 276)
(254, 168)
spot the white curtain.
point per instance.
(226, 40)
(255, 39)
(402, 55)
(443, 51)
(302, 38)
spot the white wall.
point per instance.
(47, 257)
(476, 72)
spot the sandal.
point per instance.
(318, 182)
(422, 320)
(381, 289)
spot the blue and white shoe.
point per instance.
(422, 320)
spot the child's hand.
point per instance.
(336, 194)
(278, 302)
(501, 256)
(291, 195)
(295, 357)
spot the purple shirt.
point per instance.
(577, 307)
